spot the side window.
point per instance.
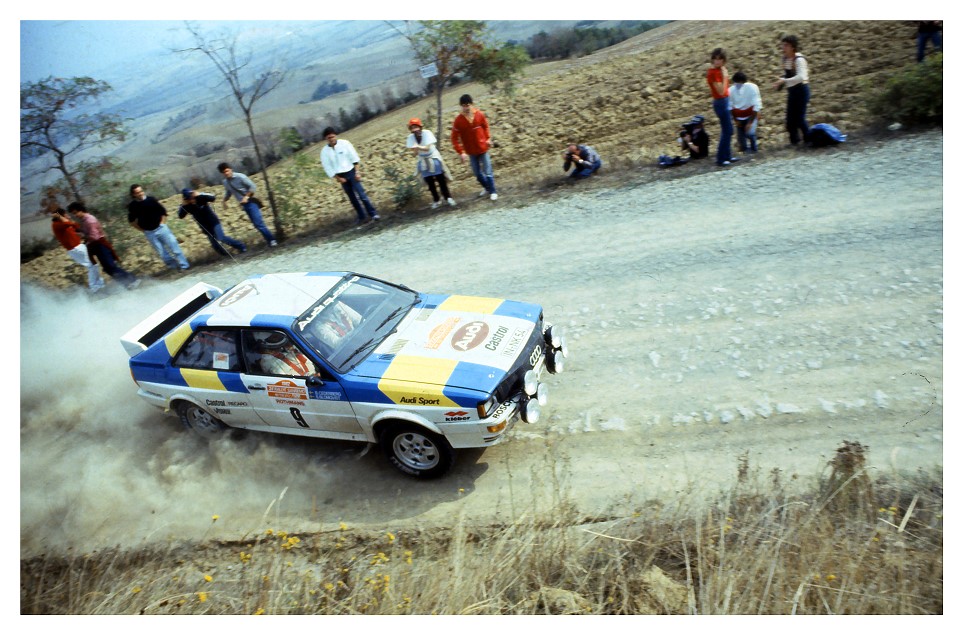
(275, 353)
(210, 349)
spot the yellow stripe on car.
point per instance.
(176, 339)
(470, 304)
(432, 374)
(204, 379)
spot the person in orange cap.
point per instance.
(430, 167)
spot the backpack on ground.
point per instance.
(665, 161)
(823, 134)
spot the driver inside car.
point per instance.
(280, 356)
(336, 323)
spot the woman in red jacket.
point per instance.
(718, 80)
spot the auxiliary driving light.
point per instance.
(542, 394)
(531, 411)
(531, 383)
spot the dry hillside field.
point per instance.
(626, 101)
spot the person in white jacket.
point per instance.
(342, 163)
(745, 103)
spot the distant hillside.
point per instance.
(627, 101)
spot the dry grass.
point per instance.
(845, 544)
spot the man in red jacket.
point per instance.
(65, 231)
(472, 139)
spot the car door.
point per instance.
(211, 366)
(299, 395)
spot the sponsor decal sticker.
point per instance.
(514, 343)
(501, 409)
(469, 336)
(440, 332)
(536, 355)
(420, 401)
(237, 294)
(457, 415)
(222, 411)
(323, 305)
(497, 338)
(222, 361)
(286, 390)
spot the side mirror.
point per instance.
(314, 382)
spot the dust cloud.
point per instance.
(99, 467)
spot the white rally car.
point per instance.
(345, 356)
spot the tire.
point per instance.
(416, 451)
(200, 421)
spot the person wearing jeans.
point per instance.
(583, 160)
(242, 189)
(746, 104)
(198, 205)
(472, 140)
(718, 79)
(146, 214)
(342, 163)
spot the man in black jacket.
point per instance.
(198, 205)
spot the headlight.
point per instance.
(542, 394)
(563, 347)
(554, 336)
(531, 411)
(485, 408)
(531, 383)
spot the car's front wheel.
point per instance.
(200, 421)
(417, 451)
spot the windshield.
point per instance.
(353, 318)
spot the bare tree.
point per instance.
(48, 126)
(247, 86)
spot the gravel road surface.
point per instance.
(766, 312)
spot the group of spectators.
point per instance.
(736, 102)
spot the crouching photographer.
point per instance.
(693, 138)
(583, 160)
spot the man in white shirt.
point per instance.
(341, 162)
(745, 103)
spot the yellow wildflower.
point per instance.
(136, 589)
(830, 577)
(343, 527)
(259, 612)
(269, 532)
(214, 518)
(328, 587)
(208, 578)
(202, 596)
(391, 537)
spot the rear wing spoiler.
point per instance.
(163, 320)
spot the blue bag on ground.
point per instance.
(823, 134)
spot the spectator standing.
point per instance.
(746, 104)
(242, 189)
(99, 247)
(694, 139)
(583, 160)
(198, 205)
(342, 163)
(65, 231)
(147, 215)
(430, 167)
(928, 31)
(718, 79)
(472, 140)
(796, 79)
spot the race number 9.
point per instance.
(298, 417)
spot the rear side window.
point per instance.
(210, 349)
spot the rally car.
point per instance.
(341, 355)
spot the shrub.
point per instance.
(405, 187)
(913, 96)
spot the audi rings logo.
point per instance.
(536, 355)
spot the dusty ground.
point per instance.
(771, 310)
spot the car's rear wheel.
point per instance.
(417, 451)
(200, 421)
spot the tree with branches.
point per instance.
(463, 47)
(247, 87)
(48, 124)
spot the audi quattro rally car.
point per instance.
(345, 356)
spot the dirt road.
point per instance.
(770, 310)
